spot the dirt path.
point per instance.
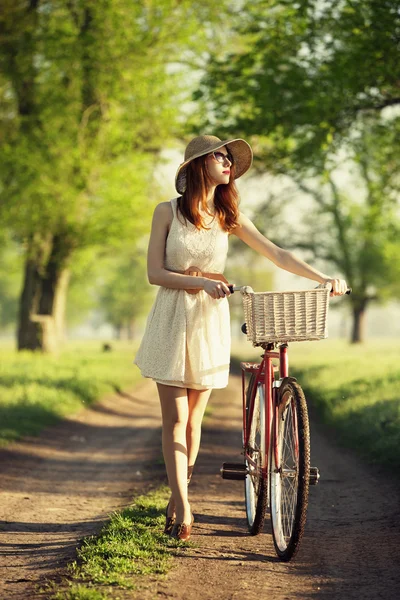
(352, 545)
(57, 489)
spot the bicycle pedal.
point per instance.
(237, 471)
(314, 475)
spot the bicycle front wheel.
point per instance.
(290, 470)
(255, 486)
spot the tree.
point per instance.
(90, 91)
(315, 84)
(355, 224)
(125, 295)
(301, 73)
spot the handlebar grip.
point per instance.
(347, 292)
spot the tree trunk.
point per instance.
(28, 330)
(60, 304)
(358, 333)
(43, 301)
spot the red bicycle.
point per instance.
(276, 433)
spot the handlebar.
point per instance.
(247, 289)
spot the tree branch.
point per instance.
(314, 193)
(381, 106)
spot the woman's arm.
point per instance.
(284, 259)
(156, 271)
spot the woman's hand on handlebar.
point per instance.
(216, 289)
(339, 286)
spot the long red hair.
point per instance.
(226, 197)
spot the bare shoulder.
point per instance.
(163, 210)
(243, 220)
(163, 214)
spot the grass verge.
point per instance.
(355, 390)
(131, 545)
(38, 390)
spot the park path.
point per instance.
(60, 487)
(351, 548)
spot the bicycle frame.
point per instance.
(276, 434)
(265, 374)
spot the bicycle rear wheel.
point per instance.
(255, 487)
(290, 470)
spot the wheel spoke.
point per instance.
(255, 489)
(288, 492)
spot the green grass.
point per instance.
(81, 592)
(355, 389)
(37, 390)
(131, 545)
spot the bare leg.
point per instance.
(175, 412)
(197, 405)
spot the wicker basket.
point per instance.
(286, 316)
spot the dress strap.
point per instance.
(174, 206)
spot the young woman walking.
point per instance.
(186, 344)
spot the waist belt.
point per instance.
(196, 272)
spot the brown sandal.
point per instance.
(169, 522)
(181, 531)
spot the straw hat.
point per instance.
(205, 144)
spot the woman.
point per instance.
(186, 345)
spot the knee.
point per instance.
(174, 423)
(193, 426)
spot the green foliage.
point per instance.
(315, 86)
(110, 288)
(356, 225)
(11, 264)
(302, 72)
(83, 292)
(37, 390)
(125, 294)
(90, 92)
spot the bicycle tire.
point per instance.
(290, 484)
(255, 486)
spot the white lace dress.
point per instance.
(187, 337)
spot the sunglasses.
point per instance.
(221, 157)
